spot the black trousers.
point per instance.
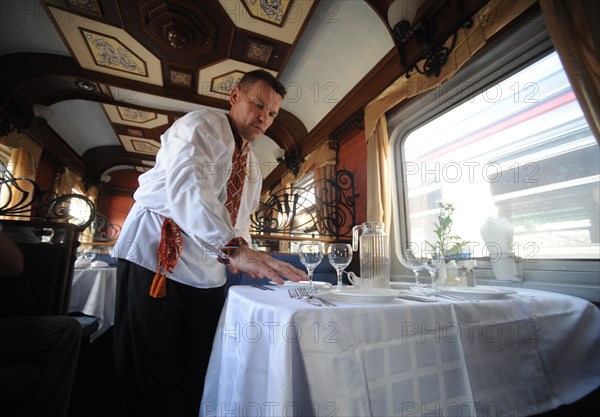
(52, 344)
(162, 345)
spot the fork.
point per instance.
(304, 293)
(296, 294)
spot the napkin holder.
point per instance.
(507, 267)
(81, 263)
(498, 237)
(98, 264)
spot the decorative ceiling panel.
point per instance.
(89, 6)
(274, 11)
(108, 49)
(140, 145)
(189, 33)
(211, 77)
(109, 52)
(261, 16)
(225, 83)
(135, 117)
(180, 26)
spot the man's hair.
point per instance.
(257, 75)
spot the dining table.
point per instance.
(93, 292)
(518, 352)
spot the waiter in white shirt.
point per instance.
(190, 220)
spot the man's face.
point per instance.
(253, 109)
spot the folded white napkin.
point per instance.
(498, 237)
(99, 264)
(82, 263)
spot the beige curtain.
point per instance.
(575, 34)
(68, 181)
(317, 158)
(493, 17)
(92, 193)
(22, 141)
(379, 196)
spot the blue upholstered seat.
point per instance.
(106, 258)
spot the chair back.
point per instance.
(44, 286)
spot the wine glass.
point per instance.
(433, 264)
(311, 254)
(416, 264)
(339, 255)
(89, 254)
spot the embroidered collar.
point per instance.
(239, 140)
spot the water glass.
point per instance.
(339, 255)
(433, 265)
(89, 254)
(416, 264)
(311, 255)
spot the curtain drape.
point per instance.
(490, 19)
(317, 158)
(68, 181)
(576, 36)
(379, 196)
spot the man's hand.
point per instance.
(260, 265)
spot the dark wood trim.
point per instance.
(355, 122)
(56, 147)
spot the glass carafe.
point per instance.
(374, 254)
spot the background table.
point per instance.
(520, 355)
(93, 293)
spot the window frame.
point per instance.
(524, 43)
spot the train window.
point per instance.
(504, 138)
(520, 149)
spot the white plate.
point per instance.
(400, 285)
(317, 284)
(357, 295)
(477, 292)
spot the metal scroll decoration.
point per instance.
(325, 209)
(21, 198)
(102, 230)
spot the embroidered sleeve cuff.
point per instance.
(229, 249)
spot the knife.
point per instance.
(422, 298)
(262, 287)
(327, 303)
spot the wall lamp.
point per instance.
(20, 115)
(434, 55)
(279, 154)
(291, 159)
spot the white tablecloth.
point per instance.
(520, 355)
(93, 293)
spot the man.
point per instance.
(191, 219)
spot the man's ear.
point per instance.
(234, 96)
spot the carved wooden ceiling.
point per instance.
(116, 73)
